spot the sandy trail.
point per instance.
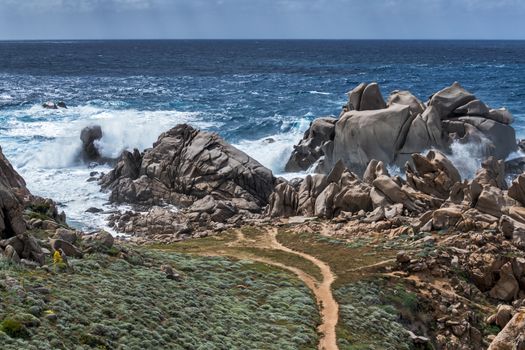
(329, 308)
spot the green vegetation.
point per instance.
(114, 303)
(369, 318)
(348, 260)
(373, 312)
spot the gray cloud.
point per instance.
(41, 19)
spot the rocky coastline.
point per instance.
(462, 239)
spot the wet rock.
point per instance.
(89, 135)
(49, 105)
(309, 149)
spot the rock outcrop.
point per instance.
(391, 132)
(13, 193)
(15, 199)
(89, 135)
(308, 151)
(194, 170)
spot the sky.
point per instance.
(261, 19)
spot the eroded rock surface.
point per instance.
(368, 128)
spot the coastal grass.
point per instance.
(350, 261)
(373, 311)
(109, 302)
(252, 246)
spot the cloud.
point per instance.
(262, 19)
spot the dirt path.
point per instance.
(329, 308)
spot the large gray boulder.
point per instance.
(185, 165)
(361, 136)
(447, 100)
(370, 129)
(407, 99)
(365, 97)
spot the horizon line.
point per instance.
(260, 39)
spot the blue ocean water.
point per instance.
(247, 91)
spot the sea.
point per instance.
(260, 95)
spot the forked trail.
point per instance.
(328, 307)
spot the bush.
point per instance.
(14, 328)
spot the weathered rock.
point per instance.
(494, 138)
(11, 254)
(367, 130)
(13, 192)
(445, 218)
(450, 98)
(69, 249)
(490, 201)
(354, 97)
(186, 164)
(492, 173)
(434, 174)
(371, 98)
(407, 99)
(357, 132)
(510, 337)
(373, 170)
(89, 135)
(101, 239)
(517, 189)
(507, 288)
(474, 107)
(309, 150)
(66, 235)
(503, 315)
(425, 132)
(283, 201)
(26, 247)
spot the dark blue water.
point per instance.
(244, 90)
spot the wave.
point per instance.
(273, 151)
(122, 129)
(313, 92)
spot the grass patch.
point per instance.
(288, 259)
(110, 303)
(343, 257)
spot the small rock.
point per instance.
(402, 257)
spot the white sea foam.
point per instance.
(273, 151)
(314, 92)
(49, 160)
(467, 158)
